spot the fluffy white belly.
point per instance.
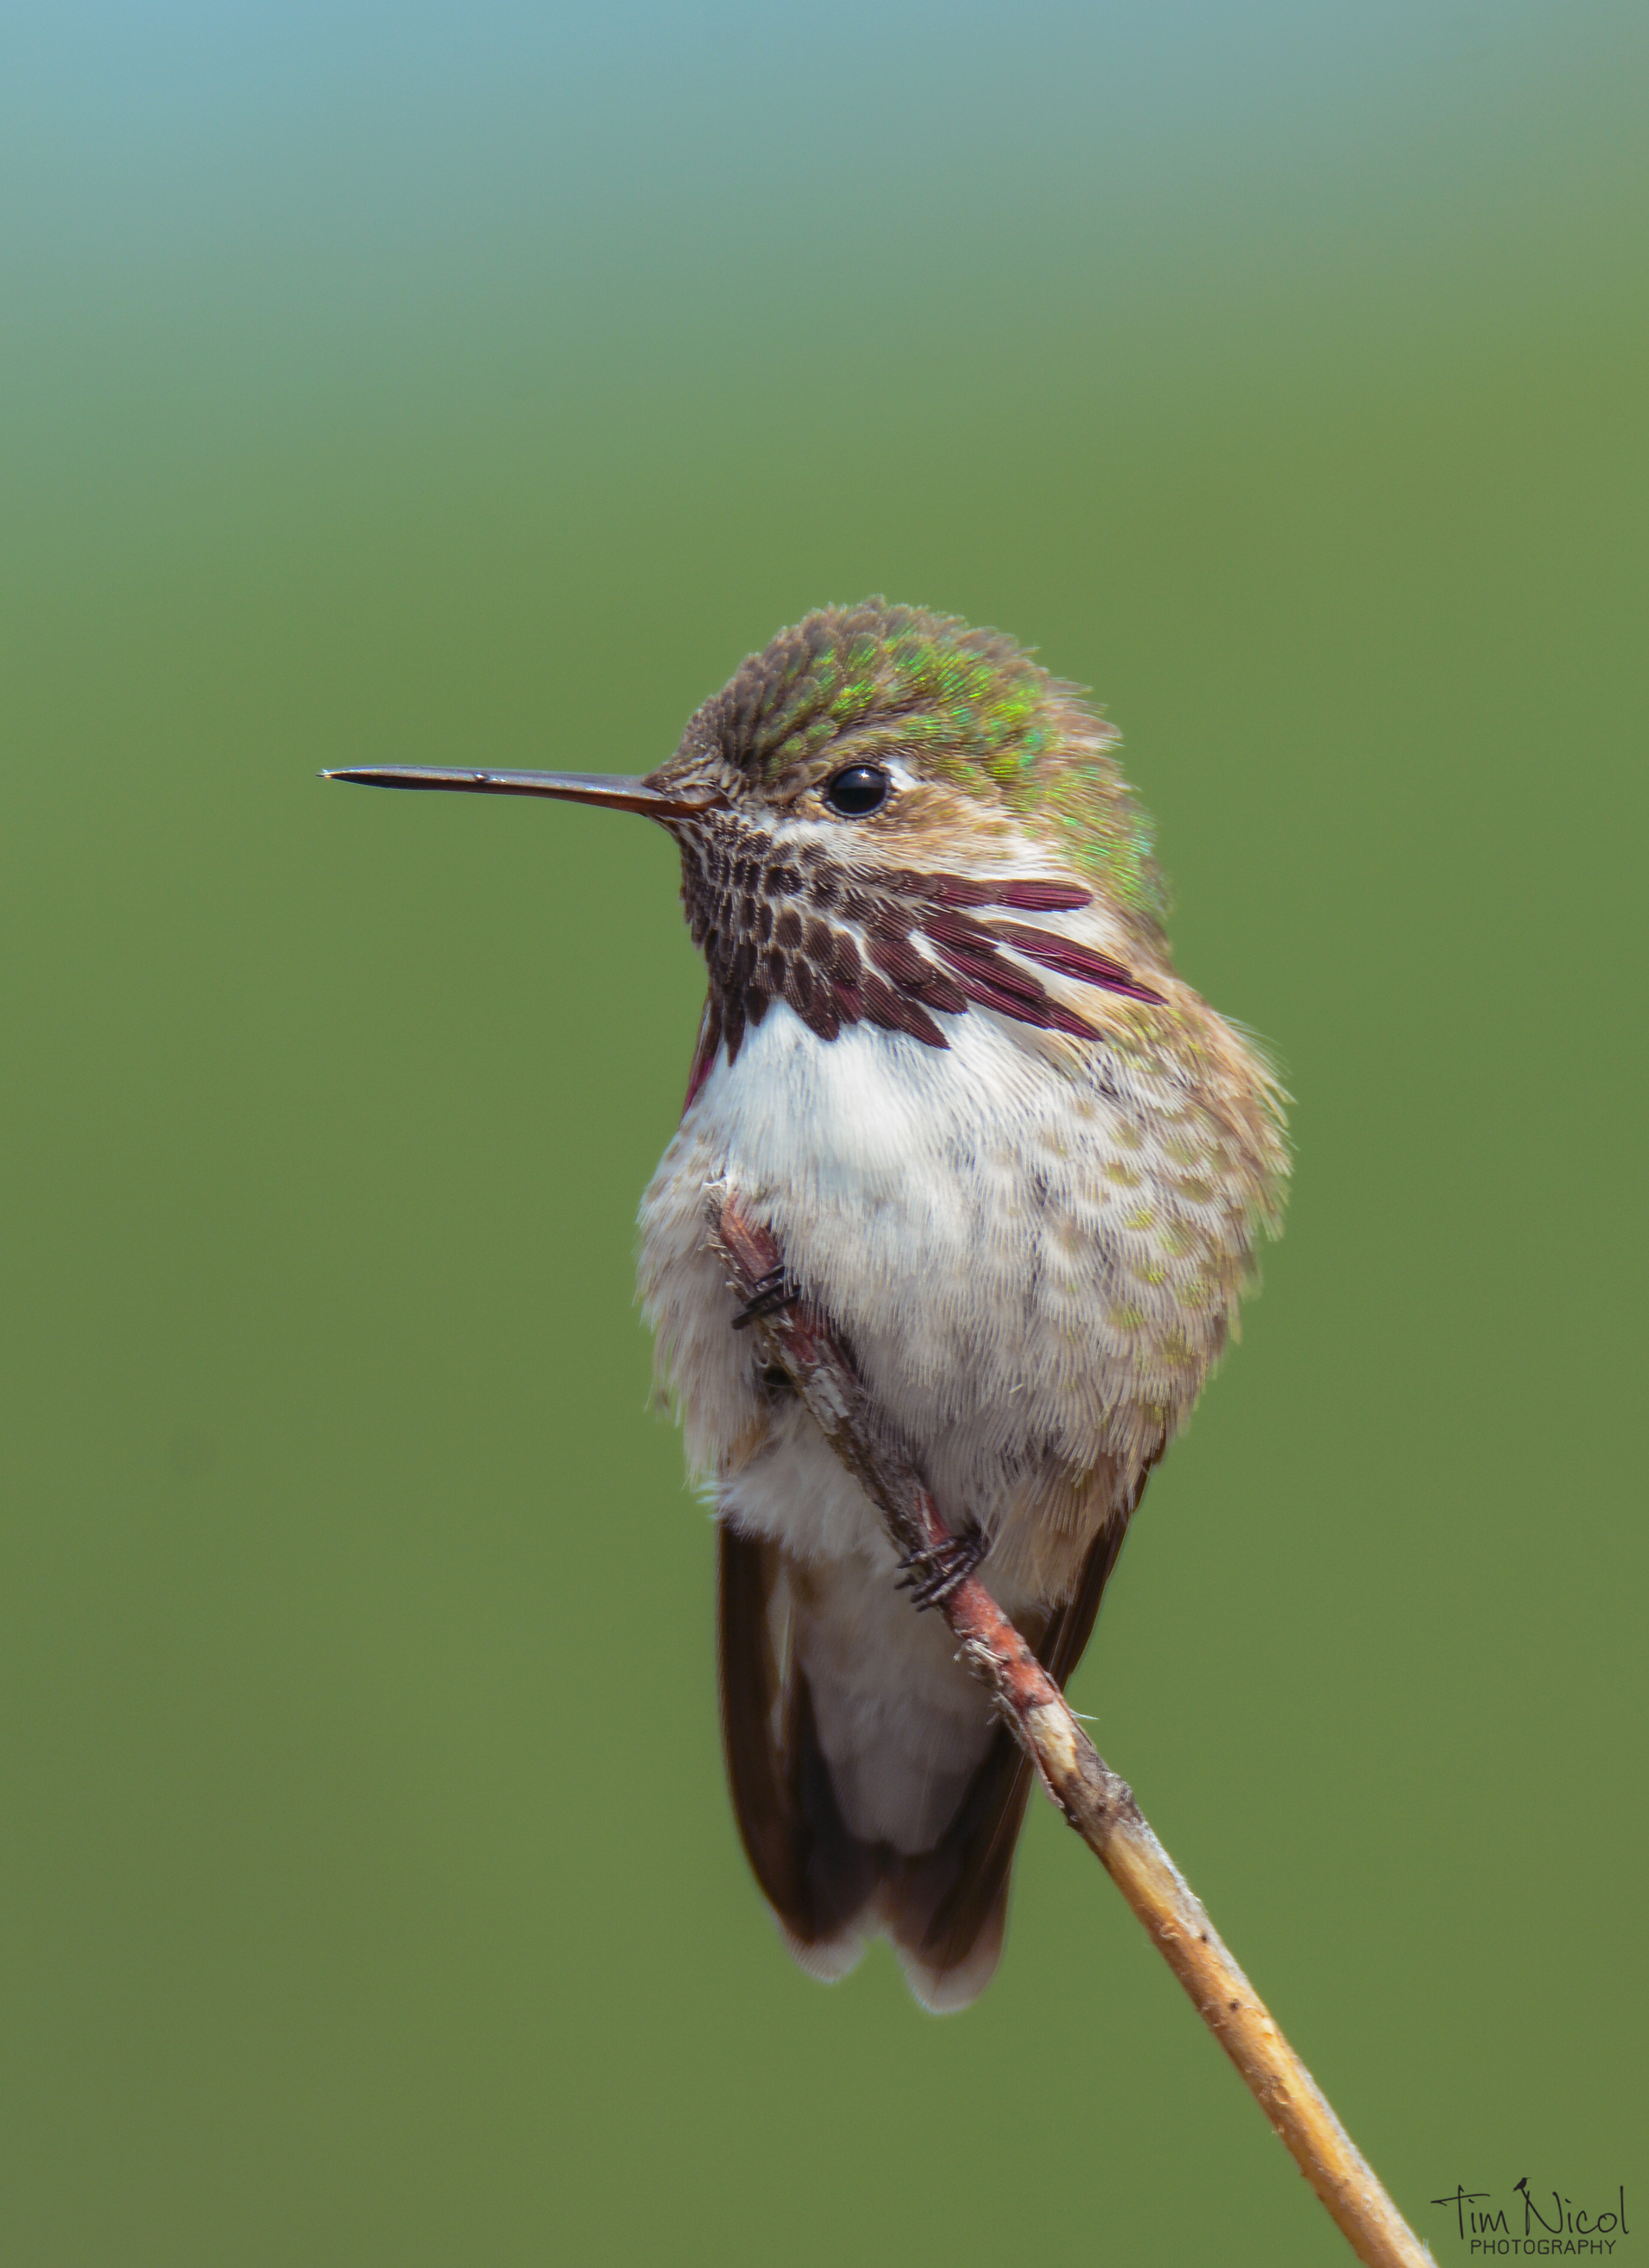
(1031, 1278)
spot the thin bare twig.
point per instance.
(1097, 1802)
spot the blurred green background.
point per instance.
(479, 384)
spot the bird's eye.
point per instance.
(857, 792)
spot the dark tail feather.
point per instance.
(944, 1909)
(817, 1876)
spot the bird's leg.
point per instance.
(933, 1575)
(772, 1291)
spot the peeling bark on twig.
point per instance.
(1097, 1802)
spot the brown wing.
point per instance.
(816, 1876)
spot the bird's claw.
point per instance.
(931, 1576)
(773, 1292)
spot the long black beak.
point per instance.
(613, 790)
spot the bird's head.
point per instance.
(854, 806)
(889, 737)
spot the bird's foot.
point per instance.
(774, 1291)
(931, 1576)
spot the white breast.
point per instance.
(998, 1229)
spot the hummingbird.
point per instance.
(1023, 1169)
